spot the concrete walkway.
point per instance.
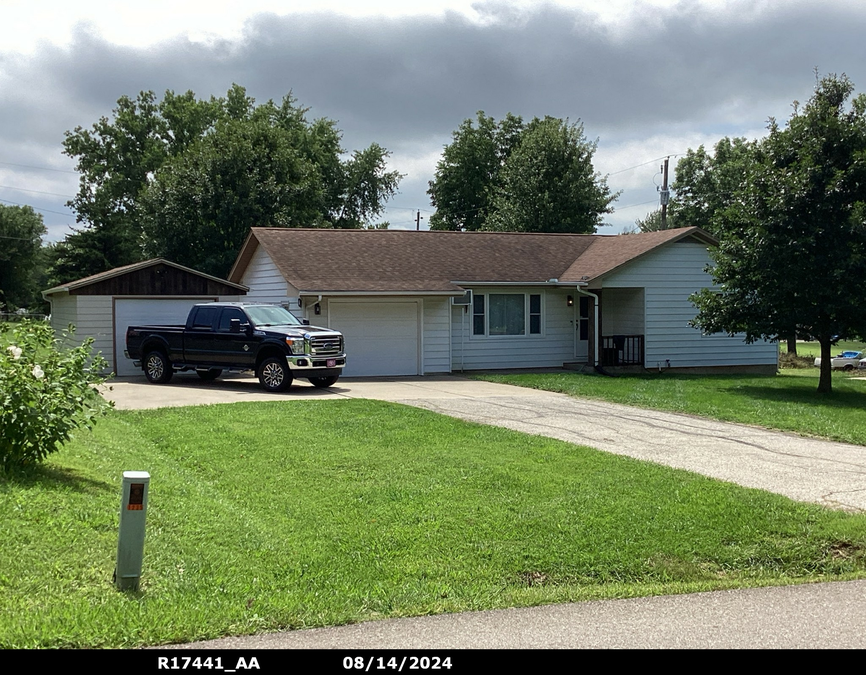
(806, 469)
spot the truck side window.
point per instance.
(226, 317)
(204, 318)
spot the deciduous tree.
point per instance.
(21, 257)
(792, 257)
(468, 172)
(548, 183)
(185, 178)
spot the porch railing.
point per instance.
(622, 350)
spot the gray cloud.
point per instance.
(410, 81)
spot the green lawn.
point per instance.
(266, 516)
(813, 349)
(787, 401)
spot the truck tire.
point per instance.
(157, 368)
(274, 374)
(209, 375)
(323, 382)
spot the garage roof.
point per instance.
(150, 277)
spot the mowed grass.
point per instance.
(813, 349)
(787, 401)
(297, 514)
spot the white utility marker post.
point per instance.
(130, 539)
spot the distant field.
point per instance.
(814, 349)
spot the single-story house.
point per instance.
(415, 303)
(155, 291)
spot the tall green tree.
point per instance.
(707, 183)
(181, 177)
(792, 257)
(116, 159)
(468, 172)
(21, 257)
(548, 183)
(652, 222)
(516, 176)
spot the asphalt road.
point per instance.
(813, 616)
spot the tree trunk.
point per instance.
(825, 383)
(792, 344)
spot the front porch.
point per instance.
(621, 324)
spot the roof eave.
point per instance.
(393, 293)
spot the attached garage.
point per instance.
(382, 337)
(154, 291)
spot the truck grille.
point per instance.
(326, 346)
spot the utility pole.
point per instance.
(418, 220)
(665, 194)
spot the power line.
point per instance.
(658, 159)
(622, 208)
(59, 213)
(41, 168)
(38, 192)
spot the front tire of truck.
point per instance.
(274, 374)
(157, 368)
(323, 382)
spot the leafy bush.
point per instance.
(46, 391)
(787, 360)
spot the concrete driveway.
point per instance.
(823, 472)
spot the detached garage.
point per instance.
(154, 291)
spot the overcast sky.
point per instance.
(647, 79)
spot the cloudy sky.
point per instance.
(647, 79)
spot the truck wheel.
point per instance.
(274, 374)
(157, 368)
(209, 375)
(323, 382)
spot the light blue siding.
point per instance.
(669, 275)
(553, 347)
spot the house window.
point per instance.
(534, 314)
(478, 315)
(497, 314)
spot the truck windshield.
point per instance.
(271, 315)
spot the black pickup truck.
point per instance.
(266, 339)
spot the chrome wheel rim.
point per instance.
(273, 375)
(155, 367)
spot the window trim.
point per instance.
(484, 299)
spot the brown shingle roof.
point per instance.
(405, 261)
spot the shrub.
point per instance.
(46, 391)
(787, 360)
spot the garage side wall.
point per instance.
(64, 311)
(93, 319)
(669, 275)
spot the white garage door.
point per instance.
(381, 337)
(143, 312)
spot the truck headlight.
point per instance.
(296, 345)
